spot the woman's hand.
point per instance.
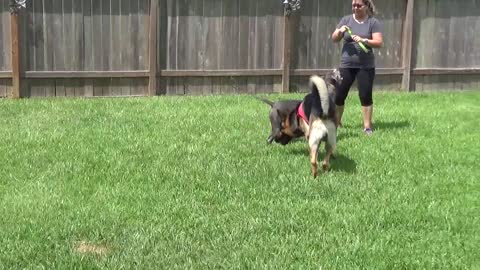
(357, 38)
(343, 29)
(337, 35)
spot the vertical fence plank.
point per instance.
(126, 47)
(67, 34)
(15, 55)
(195, 49)
(213, 34)
(78, 45)
(133, 26)
(58, 32)
(327, 25)
(473, 22)
(277, 22)
(106, 40)
(162, 40)
(48, 39)
(60, 88)
(306, 33)
(3, 39)
(407, 45)
(270, 45)
(152, 51)
(230, 32)
(317, 31)
(87, 17)
(170, 47)
(252, 37)
(3, 88)
(286, 54)
(183, 39)
(37, 36)
(97, 34)
(88, 60)
(115, 30)
(243, 34)
(171, 37)
(125, 55)
(262, 32)
(443, 12)
(143, 30)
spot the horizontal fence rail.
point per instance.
(225, 73)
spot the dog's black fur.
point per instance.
(285, 123)
(283, 113)
(284, 120)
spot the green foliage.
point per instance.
(189, 182)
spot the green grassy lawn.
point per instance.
(190, 183)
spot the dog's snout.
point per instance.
(283, 138)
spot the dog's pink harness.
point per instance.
(301, 113)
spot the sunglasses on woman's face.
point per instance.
(357, 6)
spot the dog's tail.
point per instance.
(320, 93)
(266, 101)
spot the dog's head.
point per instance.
(283, 118)
(334, 78)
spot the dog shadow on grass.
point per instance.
(351, 131)
(338, 163)
(380, 124)
(342, 163)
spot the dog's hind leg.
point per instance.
(330, 145)
(313, 158)
(317, 133)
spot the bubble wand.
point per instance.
(364, 48)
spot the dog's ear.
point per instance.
(293, 120)
(329, 78)
(337, 75)
(334, 77)
(284, 115)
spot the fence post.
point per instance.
(407, 45)
(15, 50)
(152, 48)
(286, 53)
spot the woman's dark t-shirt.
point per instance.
(352, 55)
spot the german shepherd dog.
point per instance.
(313, 117)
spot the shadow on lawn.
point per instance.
(350, 131)
(340, 163)
(391, 125)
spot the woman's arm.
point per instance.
(337, 35)
(376, 41)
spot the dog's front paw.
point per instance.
(314, 170)
(325, 166)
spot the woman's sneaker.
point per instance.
(368, 131)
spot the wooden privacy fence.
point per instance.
(176, 47)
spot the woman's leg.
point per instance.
(367, 112)
(365, 79)
(348, 77)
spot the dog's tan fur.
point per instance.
(287, 125)
(321, 128)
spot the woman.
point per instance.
(357, 62)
